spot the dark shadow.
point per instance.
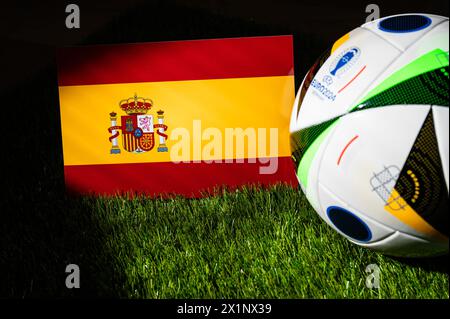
(432, 264)
(43, 229)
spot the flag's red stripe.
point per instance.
(188, 179)
(176, 61)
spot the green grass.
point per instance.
(245, 244)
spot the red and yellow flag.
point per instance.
(177, 117)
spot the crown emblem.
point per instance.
(139, 130)
(136, 105)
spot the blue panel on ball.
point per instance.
(349, 224)
(404, 24)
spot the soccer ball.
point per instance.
(370, 135)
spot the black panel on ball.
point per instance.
(349, 224)
(405, 23)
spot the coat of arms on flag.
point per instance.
(137, 127)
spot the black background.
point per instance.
(30, 30)
(31, 152)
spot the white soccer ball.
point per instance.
(370, 135)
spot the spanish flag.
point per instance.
(181, 117)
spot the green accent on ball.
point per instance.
(423, 81)
(431, 88)
(310, 154)
(436, 59)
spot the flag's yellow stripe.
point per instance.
(262, 102)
